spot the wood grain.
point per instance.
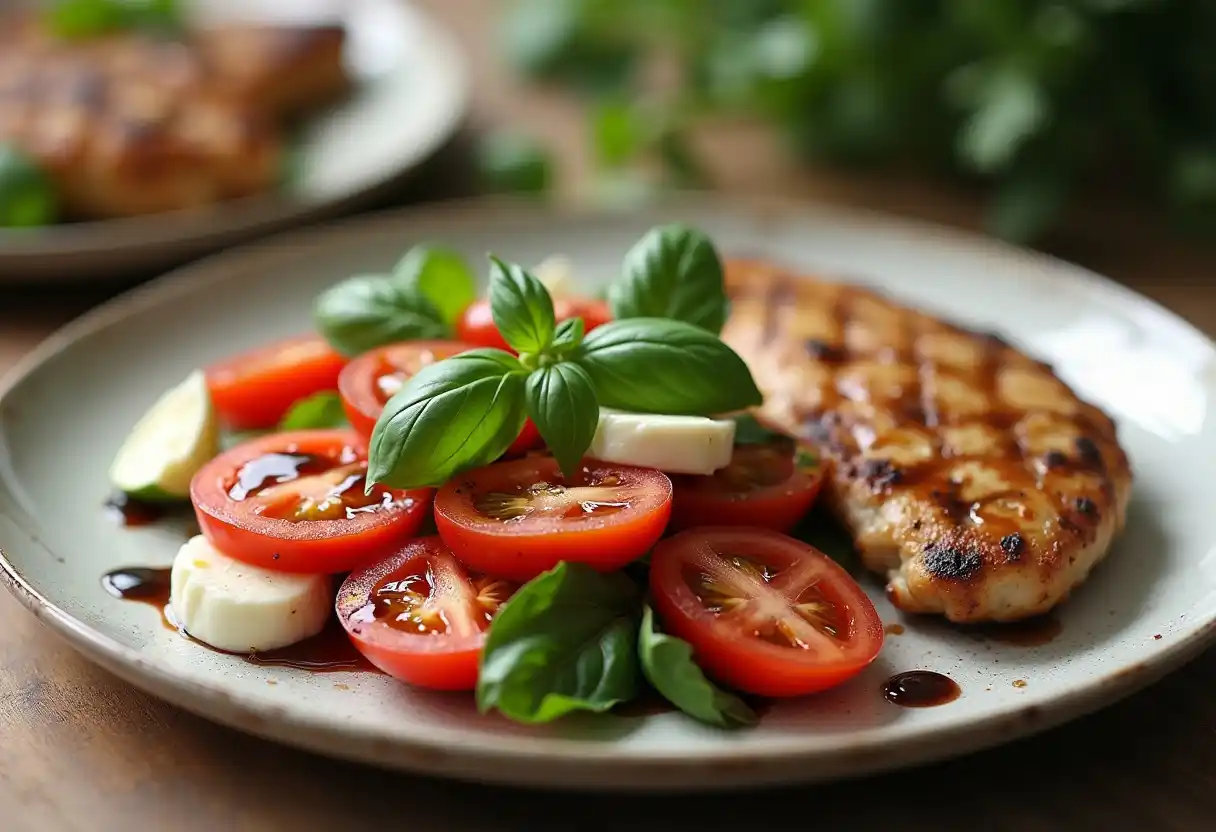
(80, 750)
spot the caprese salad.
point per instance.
(551, 500)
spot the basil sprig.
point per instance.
(566, 641)
(423, 298)
(456, 413)
(321, 410)
(672, 272)
(668, 666)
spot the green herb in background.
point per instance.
(90, 18)
(1038, 98)
(27, 197)
(323, 410)
(511, 162)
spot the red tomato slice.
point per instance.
(765, 485)
(420, 616)
(294, 502)
(476, 326)
(764, 613)
(370, 380)
(255, 389)
(517, 519)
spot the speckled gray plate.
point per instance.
(1147, 609)
(409, 99)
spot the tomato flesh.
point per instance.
(477, 326)
(420, 616)
(295, 502)
(369, 381)
(770, 485)
(517, 519)
(254, 390)
(764, 613)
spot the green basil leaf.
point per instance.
(566, 641)
(521, 306)
(363, 313)
(455, 414)
(672, 272)
(668, 666)
(441, 276)
(323, 410)
(568, 336)
(561, 402)
(514, 163)
(27, 197)
(653, 365)
(749, 431)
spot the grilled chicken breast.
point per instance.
(969, 475)
(128, 124)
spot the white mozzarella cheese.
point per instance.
(241, 608)
(673, 444)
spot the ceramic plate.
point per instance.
(1147, 609)
(409, 99)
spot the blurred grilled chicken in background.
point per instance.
(130, 123)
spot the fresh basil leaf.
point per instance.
(27, 197)
(672, 272)
(363, 313)
(324, 410)
(441, 276)
(566, 641)
(668, 666)
(568, 336)
(514, 163)
(455, 414)
(749, 431)
(561, 403)
(653, 365)
(521, 306)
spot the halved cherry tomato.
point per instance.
(770, 485)
(367, 383)
(370, 380)
(476, 326)
(294, 502)
(255, 389)
(420, 616)
(764, 613)
(517, 519)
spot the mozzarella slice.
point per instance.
(674, 444)
(557, 274)
(241, 608)
(178, 435)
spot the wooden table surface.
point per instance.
(81, 750)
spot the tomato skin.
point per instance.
(357, 383)
(477, 327)
(531, 545)
(255, 389)
(716, 501)
(528, 439)
(445, 661)
(740, 659)
(314, 546)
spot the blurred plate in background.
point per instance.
(409, 99)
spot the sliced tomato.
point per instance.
(369, 381)
(764, 613)
(476, 326)
(517, 519)
(771, 485)
(255, 389)
(295, 502)
(420, 616)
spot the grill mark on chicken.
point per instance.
(965, 470)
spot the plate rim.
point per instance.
(481, 758)
(261, 213)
